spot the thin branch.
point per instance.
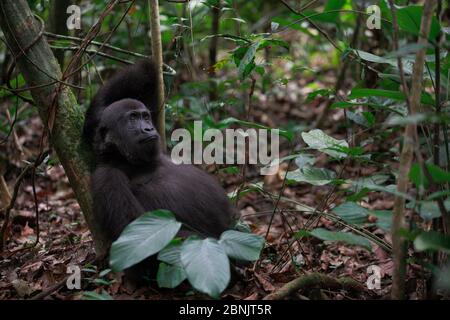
(406, 157)
(168, 69)
(158, 59)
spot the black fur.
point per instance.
(132, 176)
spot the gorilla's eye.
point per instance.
(133, 117)
(146, 117)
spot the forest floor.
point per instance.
(28, 270)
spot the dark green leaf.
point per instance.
(143, 237)
(241, 246)
(352, 213)
(314, 176)
(170, 276)
(433, 241)
(206, 265)
(395, 95)
(346, 237)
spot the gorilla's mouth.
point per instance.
(148, 139)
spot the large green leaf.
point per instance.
(429, 210)
(170, 276)
(409, 19)
(395, 95)
(319, 140)
(247, 64)
(331, 6)
(241, 245)
(367, 56)
(433, 241)
(314, 176)
(143, 237)
(171, 253)
(384, 219)
(346, 237)
(304, 160)
(352, 213)
(206, 265)
(437, 174)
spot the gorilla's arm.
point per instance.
(138, 81)
(115, 205)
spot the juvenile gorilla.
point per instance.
(132, 176)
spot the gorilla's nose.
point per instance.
(148, 129)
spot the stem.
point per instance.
(157, 57)
(406, 157)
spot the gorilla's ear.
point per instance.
(103, 141)
(102, 131)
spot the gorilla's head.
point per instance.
(126, 129)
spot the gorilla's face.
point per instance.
(126, 127)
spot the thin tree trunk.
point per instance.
(39, 66)
(157, 57)
(57, 23)
(406, 157)
(213, 50)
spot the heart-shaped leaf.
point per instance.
(242, 245)
(170, 276)
(143, 237)
(206, 265)
(317, 139)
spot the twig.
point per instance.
(14, 133)
(4, 190)
(311, 22)
(3, 230)
(31, 166)
(168, 70)
(315, 280)
(48, 291)
(92, 51)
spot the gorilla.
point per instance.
(132, 176)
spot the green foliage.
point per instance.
(317, 139)
(314, 176)
(92, 295)
(206, 265)
(433, 241)
(142, 238)
(241, 246)
(352, 213)
(339, 236)
(203, 262)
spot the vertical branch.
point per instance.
(57, 23)
(5, 195)
(406, 156)
(213, 48)
(157, 57)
